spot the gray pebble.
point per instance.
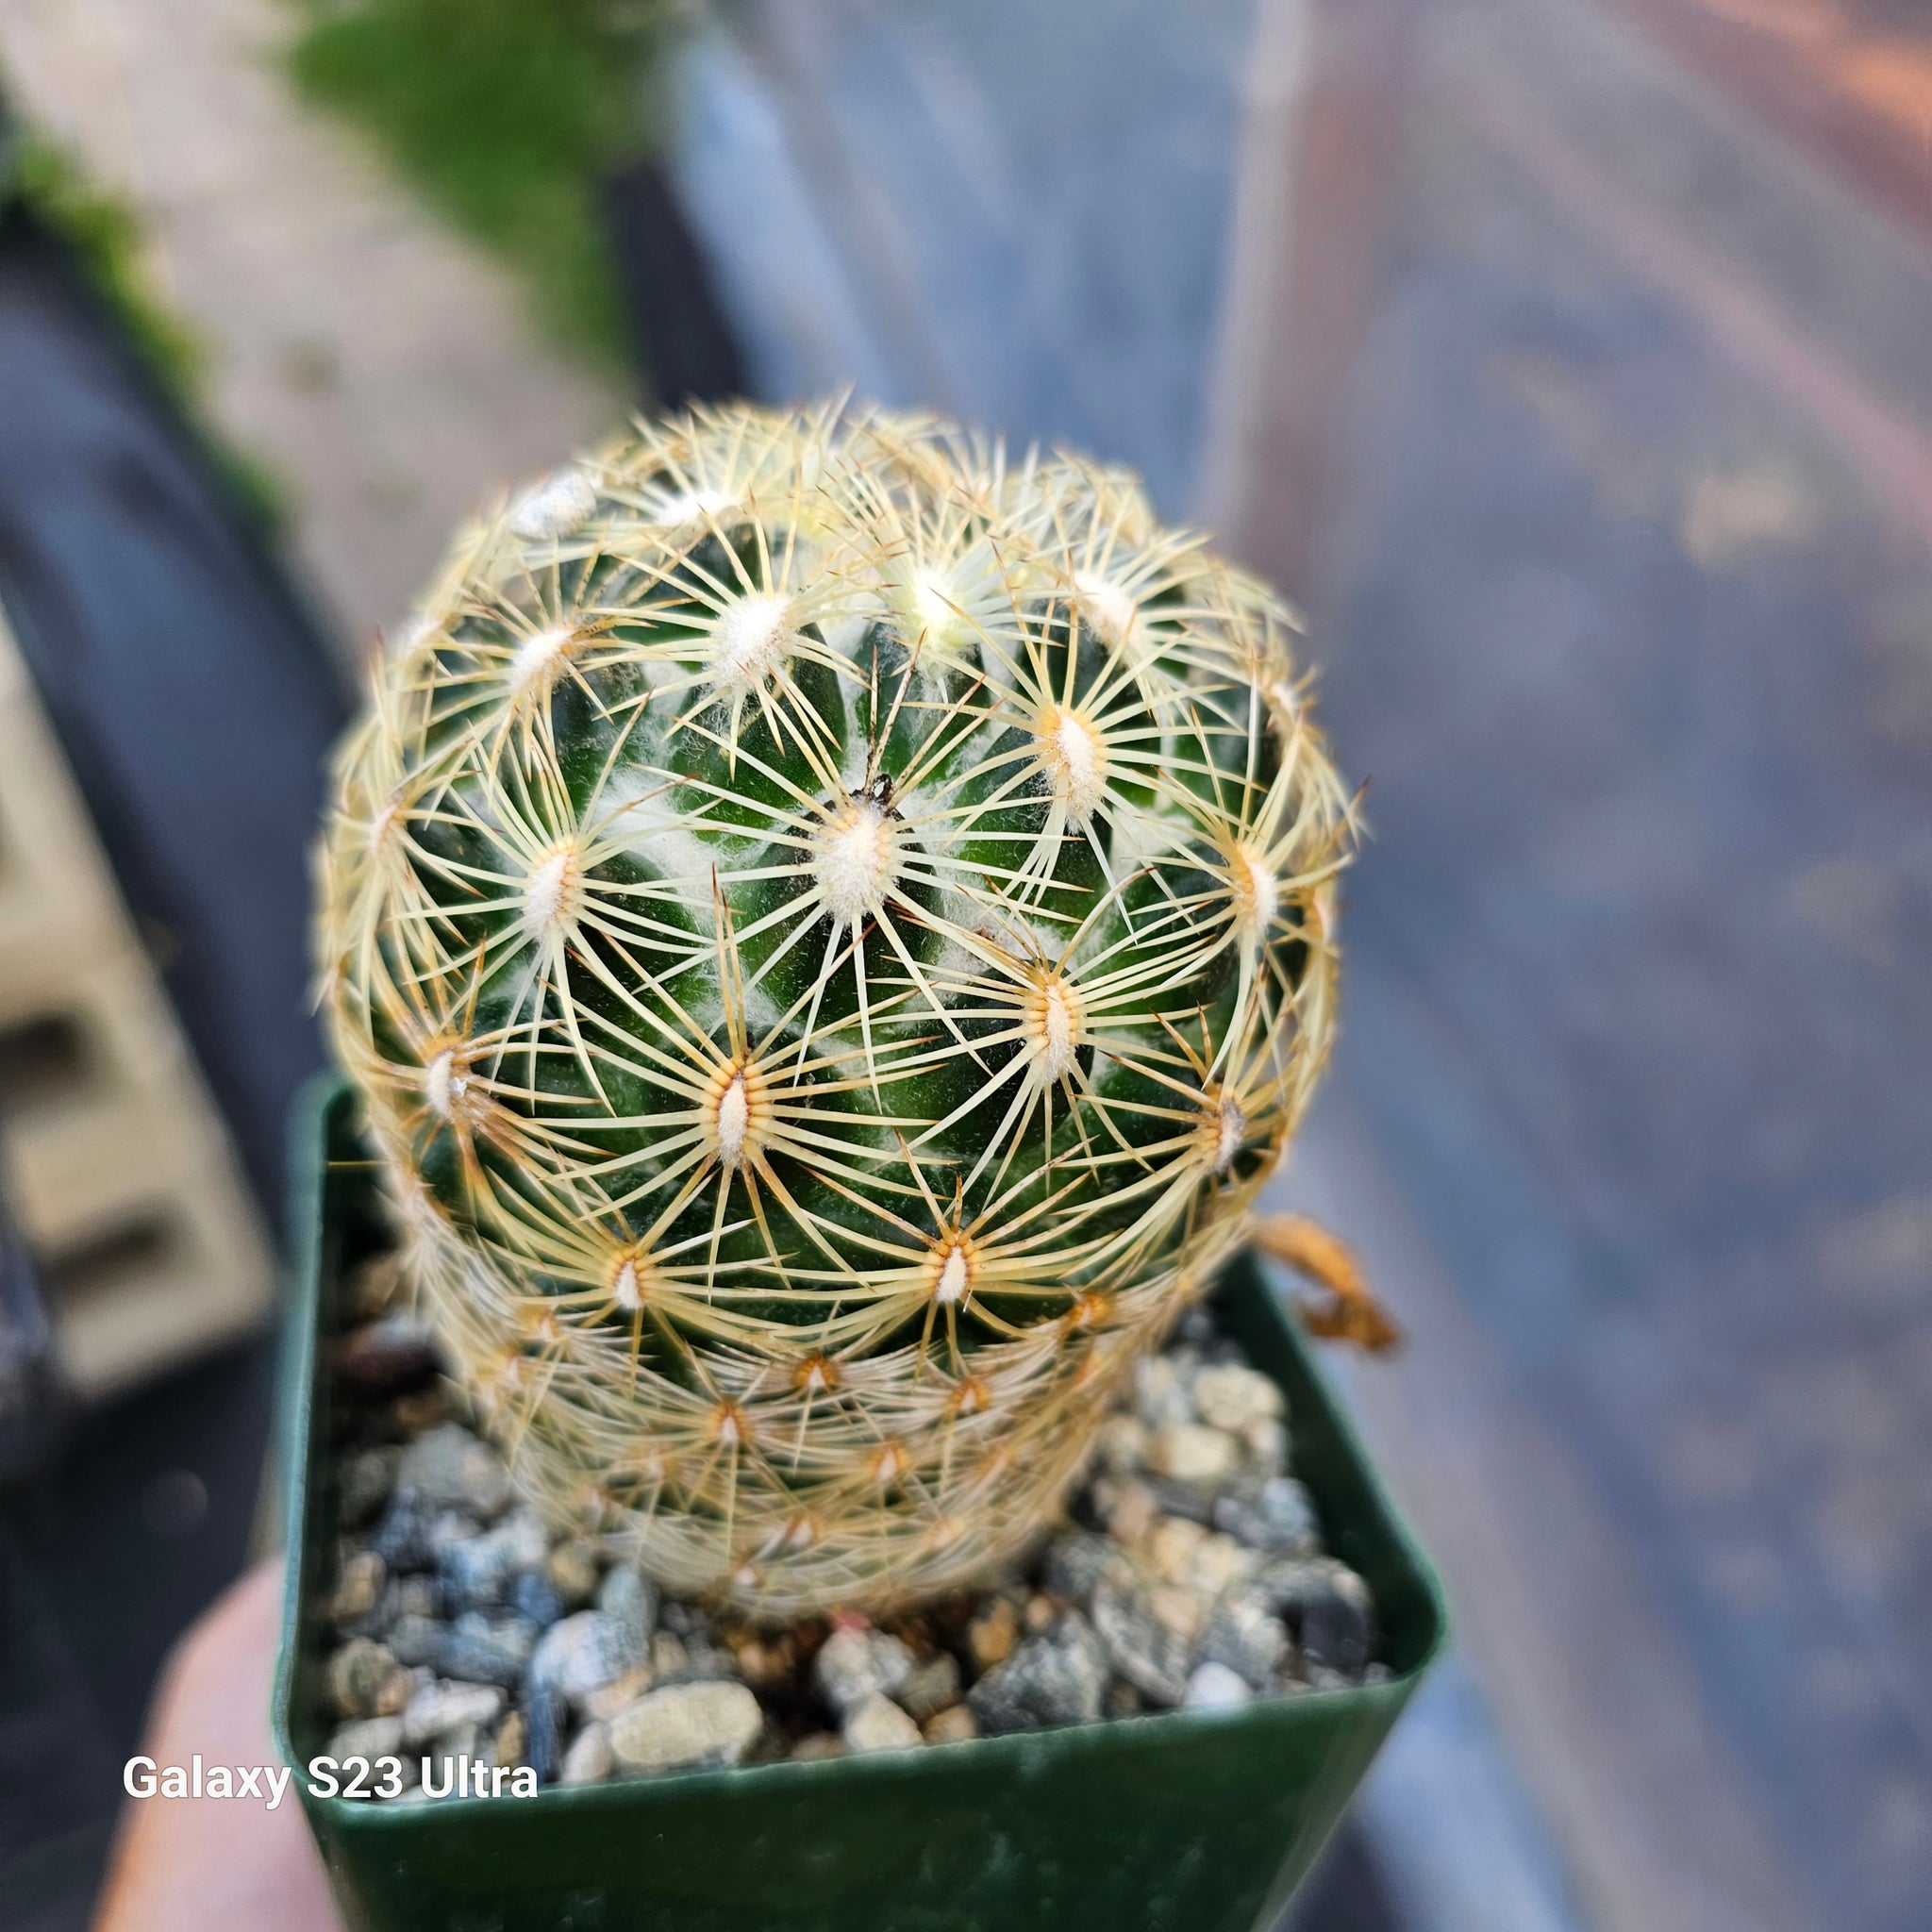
(1214, 1687)
(684, 1725)
(480, 1649)
(683, 1620)
(533, 1595)
(544, 1737)
(416, 1639)
(1149, 1655)
(364, 1480)
(475, 1571)
(854, 1664)
(1074, 1561)
(580, 1653)
(628, 1600)
(450, 1469)
(1276, 1517)
(1242, 1634)
(439, 1709)
(1056, 1677)
(1327, 1607)
(370, 1737)
(402, 1537)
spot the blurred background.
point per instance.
(1567, 359)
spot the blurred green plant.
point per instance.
(105, 234)
(506, 115)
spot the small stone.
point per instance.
(1142, 1649)
(512, 1742)
(486, 1650)
(953, 1726)
(668, 1657)
(764, 1660)
(382, 1357)
(370, 1287)
(685, 1620)
(401, 1538)
(1194, 1453)
(606, 1700)
(450, 1469)
(422, 1409)
(365, 1680)
(1134, 1514)
(475, 1571)
(572, 1569)
(465, 1740)
(1039, 1613)
(370, 1737)
(1196, 1328)
(685, 1724)
(1234, 1397)
(1121, 1700)
(628, 1602)
(854, 1664)
(1278, 1518)
(417, 1640)
(440, 1709)
(1195, 1502)
(532, 1595)
(1171, 1547)
(1055, 1678)
(363, 1481)
(1179, 1610)
(1120, 1445)
(543, 1735)
(584, 1651)
(589, 1759)
(1242, 1634)
(991, 1635)
(1160, 1395)
(932, 1687)
(358, 1588)
(816, 1744)
(1266, 1443)
(1076, 1560)
(1214, 1687)
(704, 1663)
(1215, 1562)
(1334, 1630)
(876, 1724)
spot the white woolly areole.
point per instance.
(1058, 1023)
(627, 1284)
(1257, 892)
(734, 1120)
(752, 639)
(856, 861)
(1230, 1135)
(1074, 754)
(552, 892)
(1114, 611)
(956, 1277)
(939, 609)
(553, 508)
(537, 656)
(690, 506)
(443, 1085)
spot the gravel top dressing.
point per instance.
(471, 1640)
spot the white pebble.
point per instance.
(685, 1724)
(878, 1724)
(1214, 1687)
(588, 1761)
(1192, 1452)
(1232, 1397)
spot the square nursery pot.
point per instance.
(1195, 1821)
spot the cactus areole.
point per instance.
(832, 925)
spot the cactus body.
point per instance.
(833, 928)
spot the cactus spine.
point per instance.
(832, 927)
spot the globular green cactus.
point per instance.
(832, 926)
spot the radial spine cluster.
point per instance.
(833, 927)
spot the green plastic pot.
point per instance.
(1194, 1821)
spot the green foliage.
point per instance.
(505, 114)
